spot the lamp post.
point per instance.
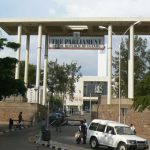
(99, 91)
(119, 102)
(36, 89)
(119, 119)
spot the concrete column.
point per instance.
(109, 64)
(131, 65)
(45, 71)
(38, 62)
(18, 52)
(27, 61)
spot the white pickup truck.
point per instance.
(114, 135)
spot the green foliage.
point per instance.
(31, 73)
(141, 103)
(61, 79)
(141, 69)
(4, 43)
(55, 103)
(8, 85)
(13, 45)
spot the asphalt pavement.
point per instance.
(25, 139)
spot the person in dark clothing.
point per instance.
(58, 123)
(10, 123)
(20, 120)
(83, 132)
(20, 117)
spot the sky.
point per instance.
(14, 9)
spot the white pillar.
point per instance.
(131, 65)
(45, 71)
(109, 64)
(38, 62)
(18, 52)
(27, 61)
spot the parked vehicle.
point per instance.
(54, 115)
(114, 135)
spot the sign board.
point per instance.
(76, 42)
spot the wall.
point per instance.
(11, 110)
(141, 120)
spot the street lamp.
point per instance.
(120, 69)
(119, 103)
(36, 89)
(99, 91)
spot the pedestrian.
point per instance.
(132, 128)
(11, 122)
(78, 136)
(85, 123)
(83, 132)
(58, 122)
(20, 120)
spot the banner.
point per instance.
(92, 43)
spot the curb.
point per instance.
(12, 130)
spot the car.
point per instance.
(114, 135)
(54, 115)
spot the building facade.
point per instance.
(67, 26)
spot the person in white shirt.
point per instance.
(133, 128)
(85, 123)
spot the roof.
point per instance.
(58, 26)
(109, 122)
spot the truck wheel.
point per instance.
(93, 143)
(122, 146)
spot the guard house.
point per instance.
(83, 27)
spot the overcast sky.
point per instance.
(70, 8)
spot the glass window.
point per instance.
(93, 126)
(123, 130)
(110, 130)
(101, 128)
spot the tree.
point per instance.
(61, 79)
(5, 43)
(142, 90)
(8, 84)
(141, 66)
(31, 73)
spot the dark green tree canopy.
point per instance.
(8, 85)
(5, 43)
(141, 68)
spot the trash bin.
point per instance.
(46, 135)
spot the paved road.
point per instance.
(22, 140)
(17, 140)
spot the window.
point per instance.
(101, 128)
(110, 130)
(93, 126)
(123, 130)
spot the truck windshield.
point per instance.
(123, 130)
